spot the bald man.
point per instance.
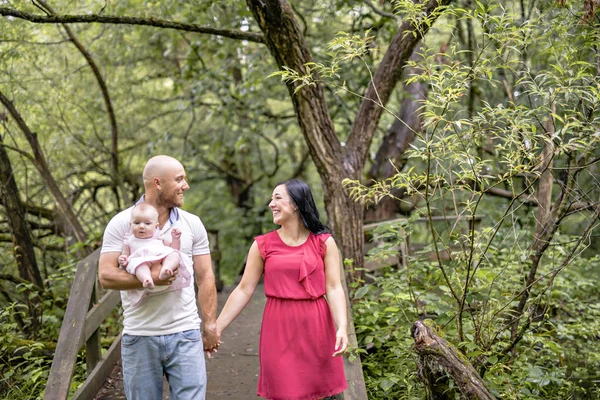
(161, 334)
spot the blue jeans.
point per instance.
(180, 357)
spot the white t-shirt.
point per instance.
(171, 312)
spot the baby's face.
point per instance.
(143, 225)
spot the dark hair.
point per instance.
(302, 197)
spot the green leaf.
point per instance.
(361, 292)
(386, 385)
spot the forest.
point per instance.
(453, 147)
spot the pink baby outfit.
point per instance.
(297, 337)
(152, 250)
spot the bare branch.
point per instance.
(378, 11)
(118, 20)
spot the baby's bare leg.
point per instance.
(142, 272)
(169, 265)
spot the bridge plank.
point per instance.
(71, 331)
(97, 377)
(98, 313)
(436, 218)
(93, 348)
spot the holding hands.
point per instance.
(211, 339)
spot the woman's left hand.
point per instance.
(341, 342)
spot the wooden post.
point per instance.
(95, 378)
(354, 374)
(93, 349)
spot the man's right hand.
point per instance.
(155, 271)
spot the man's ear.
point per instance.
(156, 183)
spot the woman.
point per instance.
(300, 347)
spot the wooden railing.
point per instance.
(83, 317)
(80, 326)
(404, 249)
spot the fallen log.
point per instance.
(437, 355)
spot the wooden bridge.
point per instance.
(89, 306)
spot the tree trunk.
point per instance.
(21, 234)
(15, 211)
(384, 81)
(284, 39)
(41, 165)
(544, 226)
(436, 354)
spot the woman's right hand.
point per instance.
(341, 342)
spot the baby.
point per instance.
(144, 249)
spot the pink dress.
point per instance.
(150, 251)
(297, 336)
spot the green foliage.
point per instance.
(383, 313)
(556, 359)
(23, 372)
(525, 87)
(25, 364)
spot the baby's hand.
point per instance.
(176, 233)
(123, 260)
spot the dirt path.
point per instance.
(233, 370)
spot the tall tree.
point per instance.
(15, 210)
(335, 162)
(21, 233)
